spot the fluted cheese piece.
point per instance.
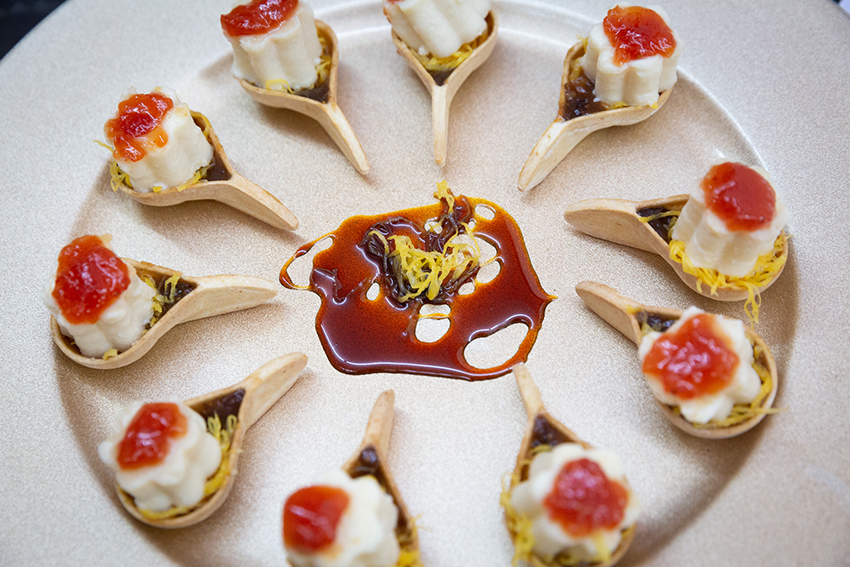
(365, 535)
(176, 481)
(118, 327)
(437, 27)
(175, 163)
(287, 53)
(742, 388)
(528, 498)
(635, 83)
(710, 244)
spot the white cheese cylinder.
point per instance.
(288, 53)
(528, 499)
(634, 83)
(175, 163)
(437, 27)
(741, 389)
(710, 244)
(180, 478)
(365, 535)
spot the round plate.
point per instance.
(750, 88)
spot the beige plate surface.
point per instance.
(704, 502)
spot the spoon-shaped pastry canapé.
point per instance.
(543, 433)
(565, 133)
(221, 183)
(370, 459)
(195, 298)
(319, 104)
(620, 221)
(443, 89)
(632, 319)
(247, 401)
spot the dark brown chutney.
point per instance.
(223, 406)
(662, 225)
(577, 98)
(217, 171)
(361, 336)
(181, 289)
(655, 321)
(369, 464)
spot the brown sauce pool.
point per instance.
(362, 336)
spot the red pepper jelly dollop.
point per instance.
(137, 127)
(148, 437)
(89, 279)
(742, 198)
(311, 516)
(362, 335)
(637, 32)
(693, 360)
(584, 500)
(257, 17)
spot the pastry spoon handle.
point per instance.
(265, 386)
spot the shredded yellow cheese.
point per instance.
(423, 272)
(322, 69)
(436, 64)
(767, 267)
(158, 300)
(409, 553)
(110, 353)
(224, 436)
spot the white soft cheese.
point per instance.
(119, 326)
(709, 244)
(186, 151)
(743, 388)
(634, 83)
(365, 534)
(528, 498)
(287, 53)
(437, 27)
(179, 479)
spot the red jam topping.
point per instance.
(692, 361)
(584, 500)
(137, 127)
(89, 279)
(740, 196)
(148, 437)
(257, 17)
(311, 517)
(637, 32)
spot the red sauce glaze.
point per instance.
(361, 336)
(137, 127)
(584, 500)
(89, 279)
(148, 437)
(692, 361)
(311, 516)
(637, 32)
(257, 17)
(740, 196)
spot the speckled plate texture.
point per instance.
(761, 82)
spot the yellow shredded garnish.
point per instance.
(322, 69)
(449, 62)
(425, 272)
(110, 353)
(409, 554)
(767, 267)
(158, 300)
(224, 436)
